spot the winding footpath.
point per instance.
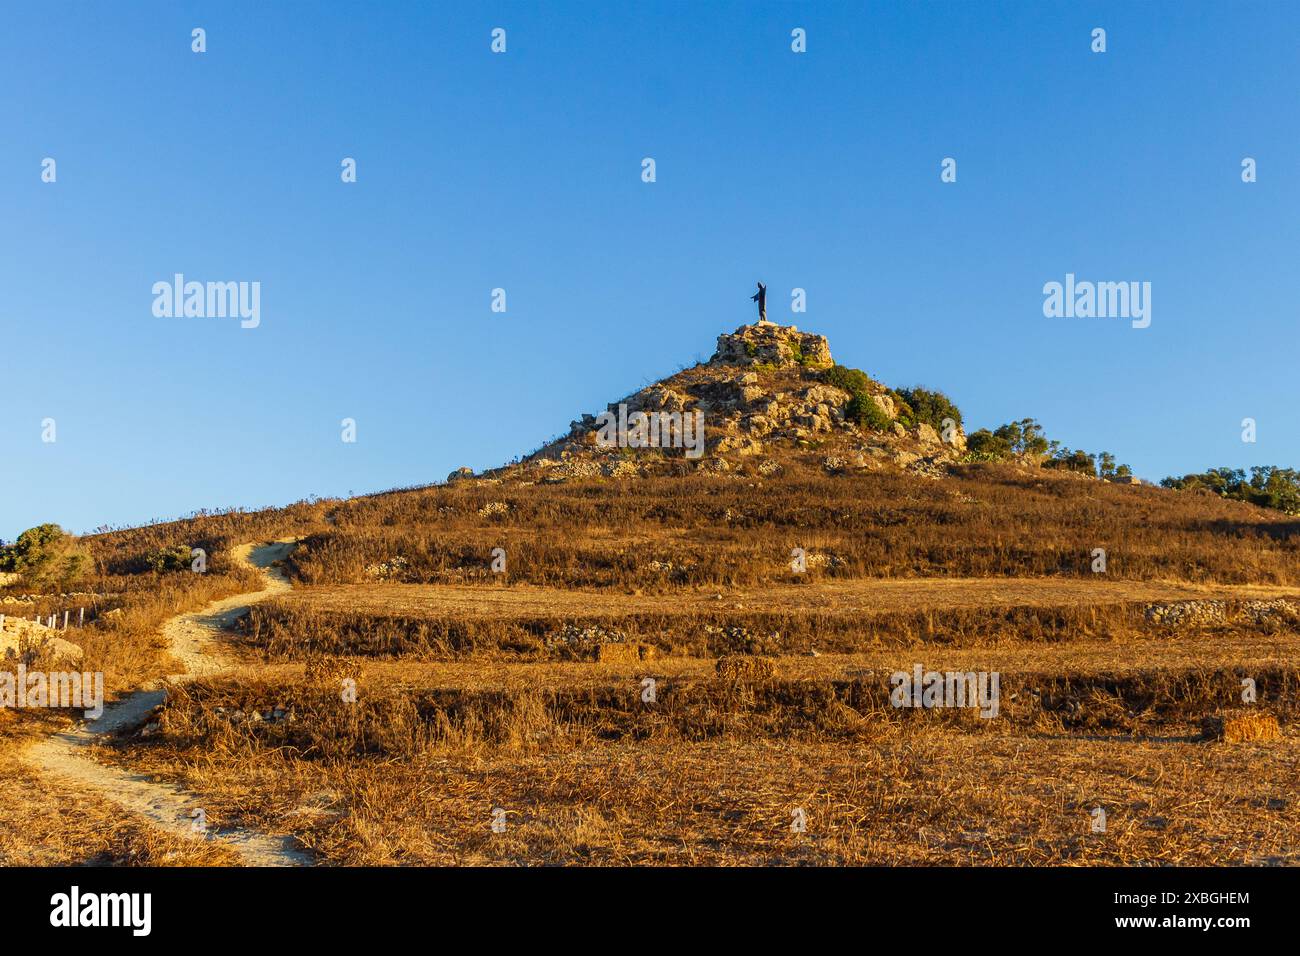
(194, 641)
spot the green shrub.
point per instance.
(163, 560)
(930, 407)
(863, 411)
(851, 380)
(904, 414)
(985, 445)
(45, 555)
(1268, 485)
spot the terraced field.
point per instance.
(680, 695)
(859, 598)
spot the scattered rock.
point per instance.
(620, 468)
(902, 457)
(737, 639)
(1212, 613)
(584, 638)
(818, 559)
(388, 570)
(737, 444)
(827, 395)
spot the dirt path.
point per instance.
(859, 597)
(192, 638)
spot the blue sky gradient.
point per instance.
(522, 171)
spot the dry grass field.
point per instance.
(519, 699)
(405, 703)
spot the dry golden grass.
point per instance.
(740, 667)
(521, 621)
(1242, 727)
(624, 653)
(711, 772)
(524, 692)
(918, 797)
(739, 529)
(45, 824)
(861, 598)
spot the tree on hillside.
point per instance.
(1073, 460)
(1267, 485)
(1025, 441)
(1020, 439)
(45, 556)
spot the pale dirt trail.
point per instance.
(193, 638)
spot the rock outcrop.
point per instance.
(29, 641)
(771, 344)
(763, 399)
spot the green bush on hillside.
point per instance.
(930, 407)
(851, 380)
(45, 555)
(1014, 439)
(163, 560)
(1073, 460)
(904, 414)
(866, 413)
(862, 409)
(1267, 486)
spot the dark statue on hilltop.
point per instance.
(761, 298)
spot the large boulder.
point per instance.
(885, 404)
(19, 637)
(827, 395)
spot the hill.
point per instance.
(769, 394)
(637, 655)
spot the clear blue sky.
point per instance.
(523, 171)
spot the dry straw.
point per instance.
(1251, 726)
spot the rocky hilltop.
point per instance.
(769, 394)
